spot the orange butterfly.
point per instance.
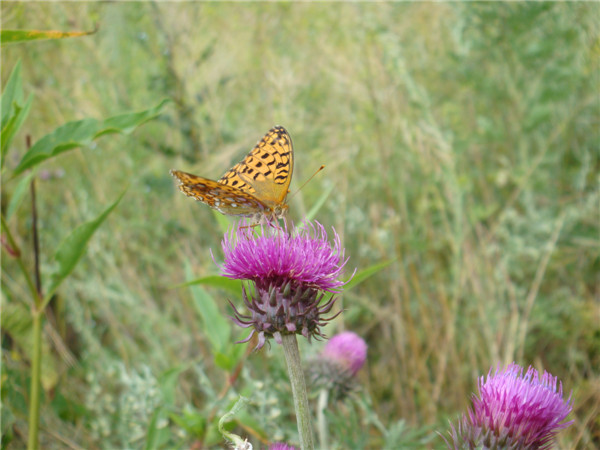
(255, 187)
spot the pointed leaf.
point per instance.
(12, 93)
(16, 36)
(73, 247)
(17, 195)
(157, 435)
(233, 286)
(12, 126)
(216, 327)
(168, 382)
(361, 276)
(81, 133)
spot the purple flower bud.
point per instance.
(514, 411)
(335, 368)
(348, 349)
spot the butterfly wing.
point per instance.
(225, 199)
(266, 172)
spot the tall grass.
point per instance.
(461, 142)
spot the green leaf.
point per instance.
(81, 133)
(73, 247)
(12, 126)
(191, 421)
(216, 327)
(16, 36)
(14, 111)
(232, 359)
(362, 275)
(233, 286)
(168, 383)
(157, 437)
(18, 194)
(12, 93)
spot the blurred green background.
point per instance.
(460, 141)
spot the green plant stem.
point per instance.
(294, 365)
(321, 420)
(36, 365)
(37, 315)
(36, 356)
(13, 244)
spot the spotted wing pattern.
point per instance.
(223, 198)
(266, 171)
(256, 186)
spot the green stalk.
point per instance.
(36, 365)
(321, 420)
(13, 244)
(36, 357)
(296, 373)
(37, 313)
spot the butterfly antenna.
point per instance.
(306, 182)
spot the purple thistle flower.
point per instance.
(348, 349)
(290, 271)
(513, 411)
(303, 258)
(336, 366)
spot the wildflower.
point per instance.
(336, 366)
(290, 273)
(513, 411)
(348, 350)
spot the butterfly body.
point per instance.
(255, 187)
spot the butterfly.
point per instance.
(255, 187)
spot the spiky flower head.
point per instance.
(289, 271)
(348, 350)
(513, 411)
(336, 366)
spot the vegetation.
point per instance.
(461, 146)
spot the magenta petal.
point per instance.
(275, 257)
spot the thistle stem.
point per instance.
(321, 420)
(294, 365)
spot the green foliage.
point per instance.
(81, 133)
(70, 251)
(218, 281)
(14, 110)
(461, 149)
(368, 272)
(216, 327)
(17, 36)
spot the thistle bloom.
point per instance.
(290, 272)
(335, 368)
(347, 349)
(513, 411)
